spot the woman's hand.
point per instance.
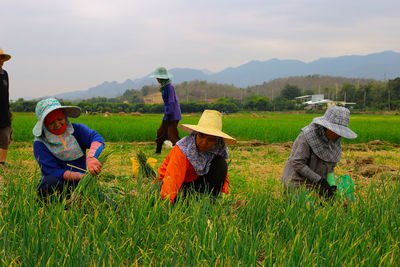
(325, 188)
(72, 176)
(93, 165)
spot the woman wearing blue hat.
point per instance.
(60, 147)
(172, 111)
(316, 152)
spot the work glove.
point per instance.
(325, 189)
(169, 119)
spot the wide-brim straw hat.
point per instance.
(44, 107)
(4, 56)
(210, 123)
(336, 119)
(161, 73)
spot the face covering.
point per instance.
(163, 83)
(52, 116)
(201, 161)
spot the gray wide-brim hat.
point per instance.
(161, 73)
(44, 107)
(336, 119)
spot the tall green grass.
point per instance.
(145, 230)
(273, 128)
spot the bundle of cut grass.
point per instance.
(145, 170)
(88, 178)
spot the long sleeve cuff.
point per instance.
(309, 174)
(95, 149)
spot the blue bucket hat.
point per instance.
(44, 107)
(161, 73)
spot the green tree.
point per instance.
(308, 92)
(145, 90)
(290, 91)
(348, 92)
(394, 87)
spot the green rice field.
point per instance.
(268, 128)
(257, 224)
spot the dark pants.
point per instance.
(5, 137)
(211, 182)
(165, 132)
(49, 185)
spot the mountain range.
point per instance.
(378, 66)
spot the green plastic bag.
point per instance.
(345, 187)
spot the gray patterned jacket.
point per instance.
(303, 166)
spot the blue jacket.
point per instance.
(171, 103)
(50, 165)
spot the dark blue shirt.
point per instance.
(50, 165)
(171, 103)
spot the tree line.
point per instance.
(199, 95)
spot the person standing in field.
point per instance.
(60, 147)
(172, 111)
(316, 151)
(5, 114)
(198, 161)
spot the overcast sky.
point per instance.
(67, 45)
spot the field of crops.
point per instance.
(256, 224)
(268, 128)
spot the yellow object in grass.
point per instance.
(135, 164)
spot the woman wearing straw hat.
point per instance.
(60, 147)
(198, 161)
(317, 150)
(5, 114)
(172, 111)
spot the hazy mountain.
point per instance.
(208, 72)
(106, 89)
(373, 66)
(112, 89)
(257, 72)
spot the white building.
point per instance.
(318, 101)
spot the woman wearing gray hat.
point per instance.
(317, 150)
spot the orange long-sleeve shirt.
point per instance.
(176, 170)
